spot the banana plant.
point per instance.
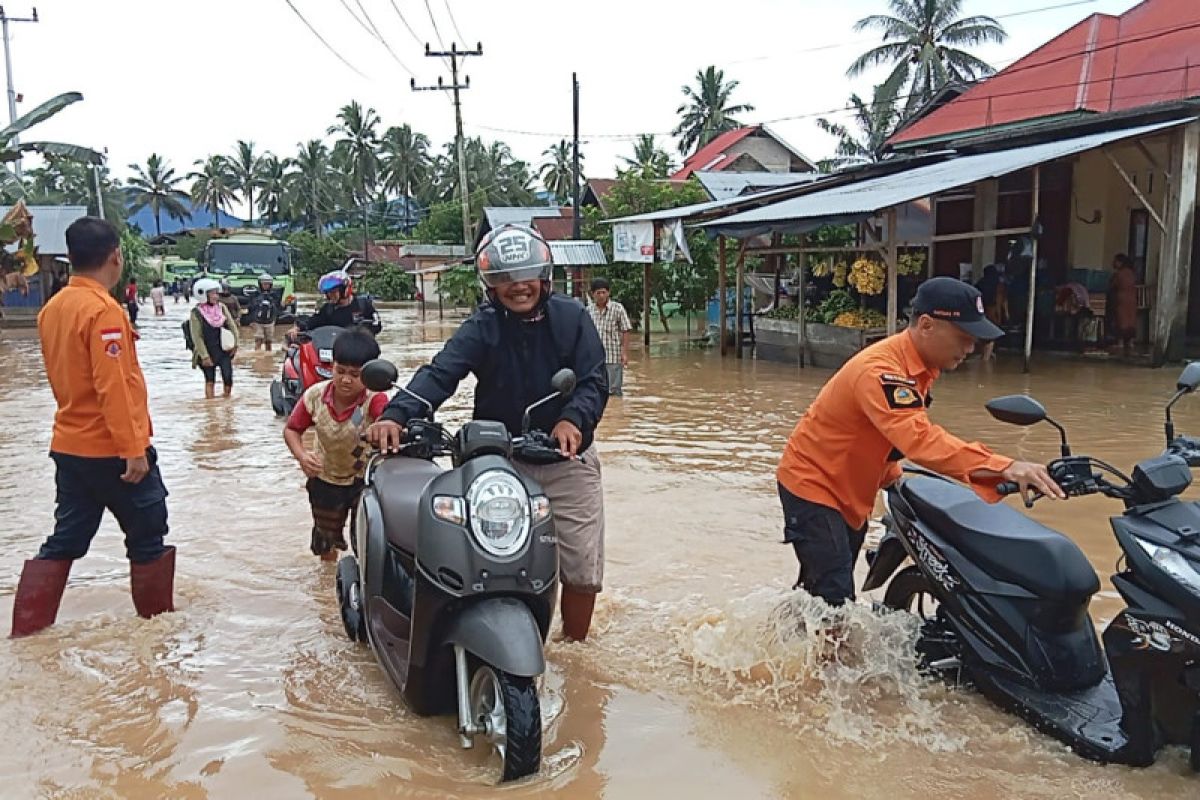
(9, 151)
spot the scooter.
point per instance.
(308, 360)
(1004, 599)
(454, 575)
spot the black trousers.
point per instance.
(86, 487)
(825, 545)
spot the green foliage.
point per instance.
(690, 285)
(136, 254)
(192, 247)
(442, 225)
(706, 111)
(837, 303)
(460, 286)
(313, 256)
(389, 282)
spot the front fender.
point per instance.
(502, 632)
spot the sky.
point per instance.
(185, 78)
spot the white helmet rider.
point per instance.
(202, 287)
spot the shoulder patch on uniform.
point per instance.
(110, 334)
(900, 396)
(112, 349)
(891, 377)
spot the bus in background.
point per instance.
(241, 257)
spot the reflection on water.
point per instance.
(702, 678)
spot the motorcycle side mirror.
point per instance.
(1020, 409)
(1190, 379)
(564, 381)
(1017, 409)
(379, 375)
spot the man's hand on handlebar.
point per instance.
(386, 435)
(1028, 475)
(569, 438)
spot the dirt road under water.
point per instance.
(697, 682)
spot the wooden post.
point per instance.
(893, 290)
(646, 306)
(722, 302)
(1174, 268)
(441, 312)
(739, 302)
(802, 310)
(1033, 267)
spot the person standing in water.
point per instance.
(101, 443)
(1123, 290)
(214, 337)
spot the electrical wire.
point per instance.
(321, 39)
(361, 24)
(454, 22)
(381, 38)
(436, 33)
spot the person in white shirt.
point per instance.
(158, 297)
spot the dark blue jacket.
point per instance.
(514, 360)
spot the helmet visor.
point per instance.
(494, 278)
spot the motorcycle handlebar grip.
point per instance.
(1006, 488)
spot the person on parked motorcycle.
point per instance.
(514, 344)
(873, 414)
(339, 409)
(342, 308)
(264, 311)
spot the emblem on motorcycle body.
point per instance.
(933, 562)
(1148, 635)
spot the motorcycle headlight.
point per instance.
(499, 511)
(324, 372)
(1173, 563)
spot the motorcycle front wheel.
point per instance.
(507, 708)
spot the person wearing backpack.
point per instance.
(264, 312)
(214, 335)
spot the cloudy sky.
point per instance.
(186, 78)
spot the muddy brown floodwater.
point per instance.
(696, 683)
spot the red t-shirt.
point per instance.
(130, 293)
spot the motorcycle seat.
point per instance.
(1002, 541)
(398, 484)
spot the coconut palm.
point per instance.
(357, 148)
(62, 181)
(272, 185)
(922, 42)
(875, 121)
(310, 185)
(649, 160)
(557, 173)
(213, 185)
(157, 186)
(404, 160)
(706, 111)
(244, 167)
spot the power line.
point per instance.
(412, 32)
(454, 22)
(437, 34)
(350, 11)
(381, 38)
(321, 39)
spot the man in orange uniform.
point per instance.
(101, 443)
(871, 415)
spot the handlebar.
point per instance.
(1187, 448)
(1076, 476)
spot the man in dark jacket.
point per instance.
(514, 344)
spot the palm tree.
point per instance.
(649, 160)
(358, 149)
(213, 185)
(310, 185)
(557, 173)
(272, 184)
(923, 40)
(156, 185)
(244, 168)
(876, 121)
(405, 159)
(706, 112)
(63, 181)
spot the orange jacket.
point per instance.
(871, 414)
(92, 365)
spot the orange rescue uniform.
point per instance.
(869, 416)
(91, 362)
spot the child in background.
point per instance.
(339, 409)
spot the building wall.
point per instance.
(773, 156)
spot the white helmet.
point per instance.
(202, 287)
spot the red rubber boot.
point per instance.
(39, 594)
(153, 585)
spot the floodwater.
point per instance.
(698, 682)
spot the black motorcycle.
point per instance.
(454, 576)
(1004, 600)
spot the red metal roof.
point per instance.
(1150, 54)
(555, 229)
(711, 156)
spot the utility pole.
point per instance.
(12, 95)
(454, 54)
(575, 160)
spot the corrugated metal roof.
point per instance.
(723, 185)
(518, 215)
(854, 201)
(50, 225)
(434, 250)
(710, 156)
(696, 209)
(577, 253)
(1104, 63)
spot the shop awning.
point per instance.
(571, 253)
(854, 202)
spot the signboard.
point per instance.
(633, 242)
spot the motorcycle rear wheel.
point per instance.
(910, 591)
(349, 594)
(507, 708)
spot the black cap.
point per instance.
(955, 301)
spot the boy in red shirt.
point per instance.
(339, 409)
